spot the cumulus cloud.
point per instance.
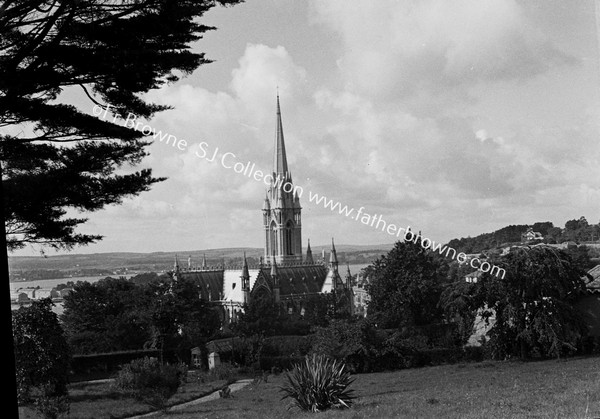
(392, 47)
(201, 185)
(418, 123)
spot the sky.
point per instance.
(454, 118)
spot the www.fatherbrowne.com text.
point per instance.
(229, 161)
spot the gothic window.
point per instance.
(272, 239)
(287, 238)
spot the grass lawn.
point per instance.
(546, 389)
(96, 400)
(549, 389)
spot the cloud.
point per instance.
(203, 197)
(392, 47)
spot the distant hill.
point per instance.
(577, 230)
(77, 265)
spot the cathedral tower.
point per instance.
(281, 209)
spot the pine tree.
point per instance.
(57, 158)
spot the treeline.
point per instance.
(577, 230)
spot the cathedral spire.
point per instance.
(245, 273)
(309, 256)
(348, 277)
(280, 166)
(245, 281)
(281, 208)
(333, 260)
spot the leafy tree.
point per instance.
(116, 314)
(533, 305)
(554, 235)
(179, 319)
(107, 315)
(542, 227)
(260, 316)
(405, 286)
(56, 157)
(319, 309)
(147, 277)
(580, 256)
(41, 358)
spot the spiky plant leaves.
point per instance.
(319, 383)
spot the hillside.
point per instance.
(578, 231)
(39, 267)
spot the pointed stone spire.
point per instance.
(267, 203)
(309, 256)
(245, 281)
(333, 256)
(176, 264)
(348, 277)
(280, 166)
(204, 266)
(245, 273)
(275, 278)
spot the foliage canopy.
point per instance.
(58, 159)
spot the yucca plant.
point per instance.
(319, 383)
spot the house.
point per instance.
(46, 293)
(19, 296)
(361, 300)
(64, 292)
(531, 235)
(196, 357)
(473, 277)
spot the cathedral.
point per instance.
(284, 274)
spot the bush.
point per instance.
(318, 384)
(279, 363)
(224, 371)
(343, 339)
(148, 381)
(296, 346)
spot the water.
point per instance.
(52, 283)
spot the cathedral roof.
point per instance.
(226, 284)
(210, 281)
(296, 279)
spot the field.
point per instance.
(546, 389)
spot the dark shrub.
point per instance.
(225, 371)
(296, 346)
(279, 363)
(148, 381)
(352, 342)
